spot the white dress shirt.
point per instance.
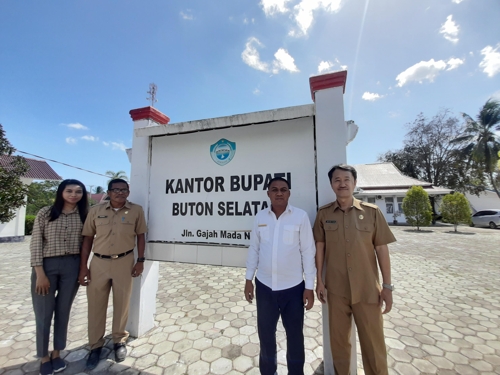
(282, 250)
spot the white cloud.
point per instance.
(304, 12)
(329, 66)
(426, 70)
(371, 96)
(393, 114)
(256, 91)
(187, 16)
(284, 62)
(450, 29)
(271, 7)
(71, 141)
(454, 63)
(118, 146)
(251, 56)
(115, 145)
(324, 66)
(90, 138)
(77, 126)
(456, 1)
(491, 60)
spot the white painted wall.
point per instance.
(15, 227)
(143, 299)
(486, 200)
(331, 141)
(262, 151)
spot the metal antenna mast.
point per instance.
(152, 94)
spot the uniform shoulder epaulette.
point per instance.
(326, 205)
(371, 205)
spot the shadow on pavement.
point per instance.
(418, 231)
(76, 360)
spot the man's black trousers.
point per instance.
(290, 305)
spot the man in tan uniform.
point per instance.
(115, 225)
(351, 236)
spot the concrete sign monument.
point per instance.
(202, 182)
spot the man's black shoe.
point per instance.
(120, 352)
(93, 359)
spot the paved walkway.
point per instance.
(446, 318)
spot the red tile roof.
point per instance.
(38, 169)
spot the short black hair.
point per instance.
(344, 167)
(278, 179)
(116, 181)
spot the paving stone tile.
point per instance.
(424, 366)
(198, 368)
(442, 303)
(211, 354)
(221, 366)
(168, 359)
(175, 369)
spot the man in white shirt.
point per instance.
(282, 251)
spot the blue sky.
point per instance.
(70, 71)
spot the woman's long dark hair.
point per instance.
(83, 204)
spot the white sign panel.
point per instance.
(206, 187)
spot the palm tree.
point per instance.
(481, 143)
(99, 190)
(114, 175)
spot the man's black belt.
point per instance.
(114, 256)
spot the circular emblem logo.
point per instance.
(222, 152)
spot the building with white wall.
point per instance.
(13, 231)
(383, 184)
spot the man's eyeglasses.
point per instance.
(116, 191)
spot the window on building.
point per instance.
(389, 205)
(400, 204)
(371, 200)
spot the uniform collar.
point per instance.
(356, 203)
(126, 205)
(289, 208)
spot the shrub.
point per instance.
(455, 209)
(417, 207)
(28, 224)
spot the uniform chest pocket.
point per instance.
(101, 222)
(364, 231)
(290, 234)
(332, 232)
(127, 222)
(264, 233)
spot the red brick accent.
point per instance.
(327, 81)
(149, 113)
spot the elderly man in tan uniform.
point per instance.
(352, 236)
(115, 225)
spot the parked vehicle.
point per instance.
(486, 218)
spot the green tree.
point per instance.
(430, 154)
(455, 209)
(12, 189)
(41, 194)
(99, 190)
(417, 207)
(113, 175)
(479, 142)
